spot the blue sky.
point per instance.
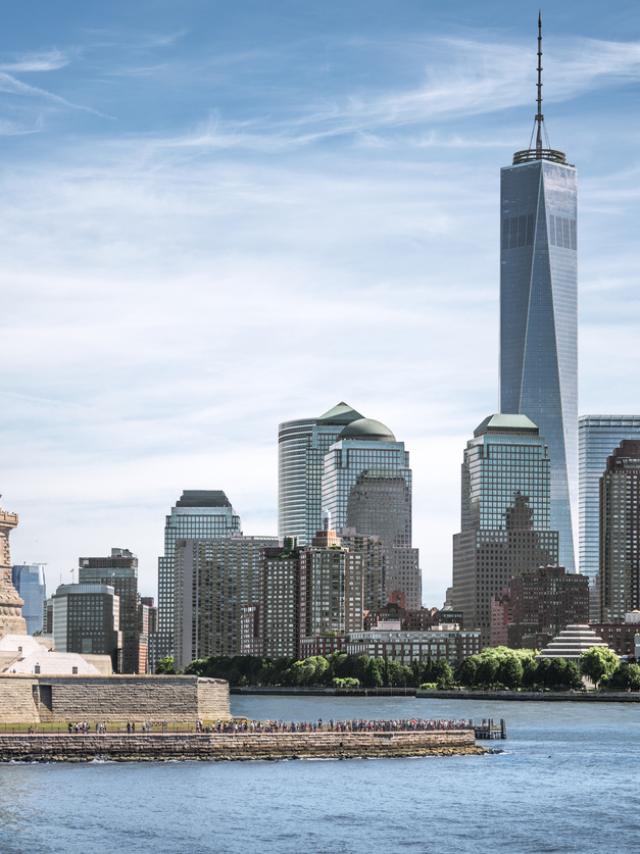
(216, 216)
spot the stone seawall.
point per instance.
(245, 746)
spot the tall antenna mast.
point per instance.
(539, 116)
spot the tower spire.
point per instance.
(541, 150)
(539, 116)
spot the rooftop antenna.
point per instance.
(539, 116)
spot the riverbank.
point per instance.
(157, 747)
(540, 696)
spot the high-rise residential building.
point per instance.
(29, 581)
(282, 602)
(302, 446)
(120, 571)
(374, 557)
(198, 514)
(505, 513)
(598, 437)
(334, 581)
(214, 580)
(620, 533)
(11, 619)
(366, 485)
(536, 605)
(538, 311)
(86, 620)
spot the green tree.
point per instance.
(510, 671)
(166, 665)
(626, 677)
(598, 663)
(467, 671)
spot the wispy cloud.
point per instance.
(50, 60)
(12, 86)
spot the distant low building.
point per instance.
(407, 646)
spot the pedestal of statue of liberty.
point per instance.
(11, 620)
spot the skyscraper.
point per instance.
(198, 514)
(29, 581)
(598, 437)
(302, 445)
(86, 618)
(120, 571)
(505, 510)
(366, 486)
(215, 579)
(620, 533)
(538, 309)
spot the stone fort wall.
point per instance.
(33, 699)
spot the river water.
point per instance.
(567, 781)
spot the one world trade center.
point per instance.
(538, 309)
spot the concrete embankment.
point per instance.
(243, 746)
(544, 696)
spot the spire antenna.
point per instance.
(539, 116)
(542, 150)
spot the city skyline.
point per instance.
(358, 201)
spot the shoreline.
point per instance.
(522, 696)
(237, 747)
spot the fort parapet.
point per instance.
(43, 699)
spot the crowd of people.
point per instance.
(354, 725)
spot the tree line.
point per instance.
(494, 668)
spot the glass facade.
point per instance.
(302, 446)
(198, 514)
(366, 487)
(538, 320)
(598, 437)
(505, 514)
(29, 581)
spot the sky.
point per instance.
(218, 216)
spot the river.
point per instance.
(567, 781)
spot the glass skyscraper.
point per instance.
(366, 487)
(302, 445)
(505, 514)
(197, 515)
(598, 437)
(29, 581)
(538, 312)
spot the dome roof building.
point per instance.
(367, 428)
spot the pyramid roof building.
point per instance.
(572, 642)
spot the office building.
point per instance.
(86, 619)
(505, 512)
(302, 445)
(538, 311)
(282, 602)
(29, 581)
(620, 533)
(366, 486)
(537, 605)
(11, 619)
(598, 437)
(215, 579)
(198, 514)
(120, 571)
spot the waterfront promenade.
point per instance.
(248, 739)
